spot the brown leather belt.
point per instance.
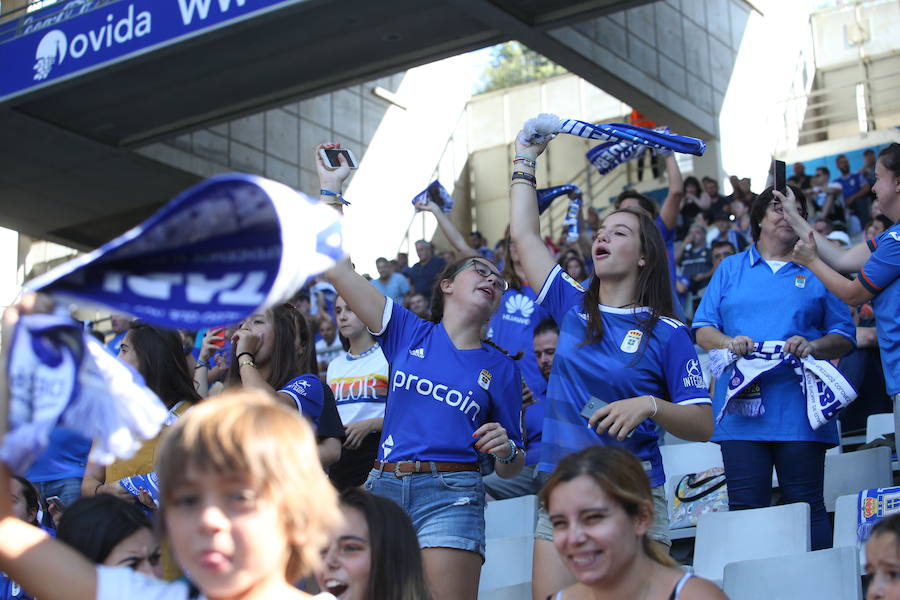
(407, 467)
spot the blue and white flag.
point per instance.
(222, 250)
(60, 375)
(546, 126)
(826, 389)
(609, 155)
(437, 194)
(546, 196)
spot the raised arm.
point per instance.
(524, 224)
(27, 554)
(669, 211)
(808, 253)
(360, 295)
(843, 261)
(450, 231)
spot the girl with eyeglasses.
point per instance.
(512, 328)
(452, 401)
(623, 364)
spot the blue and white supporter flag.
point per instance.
(546, 126)
(438, 194)
(220, 251)
(546, 196)
(609, 155)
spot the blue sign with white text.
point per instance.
(82, 35)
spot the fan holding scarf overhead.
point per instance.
(617, 343)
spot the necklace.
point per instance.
(366, 352)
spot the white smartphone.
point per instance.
(331, 160)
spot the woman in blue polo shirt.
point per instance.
(454, 399)
(617, 343)
(877, 261)
(760, 295)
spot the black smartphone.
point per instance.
(779, 181)
(593, 405)
(330, 157)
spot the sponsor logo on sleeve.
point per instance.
(694, 375)
(418, 353)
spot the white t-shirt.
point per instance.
(360, 384)
(115, 583)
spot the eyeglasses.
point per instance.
(778, 207)
(485, 272)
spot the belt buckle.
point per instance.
(399, 474)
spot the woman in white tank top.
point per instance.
(600, 509)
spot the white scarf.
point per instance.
(827, 391)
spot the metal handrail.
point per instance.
(21, 21)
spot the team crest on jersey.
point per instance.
(632, 341)
(894, 235)
(800, 281)
(572, 282)
(484, 379)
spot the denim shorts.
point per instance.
(658, 532)
(446, 509)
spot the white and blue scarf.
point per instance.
(609, 155)
(222, 250)
(827, 391)
(545, 126)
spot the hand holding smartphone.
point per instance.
(331, 161)
(779, 180)
(593, 405)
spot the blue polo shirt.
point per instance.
(880, 276)
(396, 287)
(744, 297)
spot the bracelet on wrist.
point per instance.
(513, 453)
(97, 489)
(522, 181)
(655, 407)
(524, 176)
(203, 364)
(246, 363)
(250, 354)
(528, 162)
(337, 195)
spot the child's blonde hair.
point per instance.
(248, 433)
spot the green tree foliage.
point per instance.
(515, 64)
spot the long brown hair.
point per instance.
(654, 288)
(161, 362)
(290, 352)
(620, 475)
(509, 270)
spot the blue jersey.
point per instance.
(668, 236)
(306, 391)
(744, 297)
(625, 363)
(65, 456)
(439, 394)
(512, 328)
(10, 590)
(880, 276)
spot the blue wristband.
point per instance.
(336, 195)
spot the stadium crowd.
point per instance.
(484, 372)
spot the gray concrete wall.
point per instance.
(278, 143)
(673, 57)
